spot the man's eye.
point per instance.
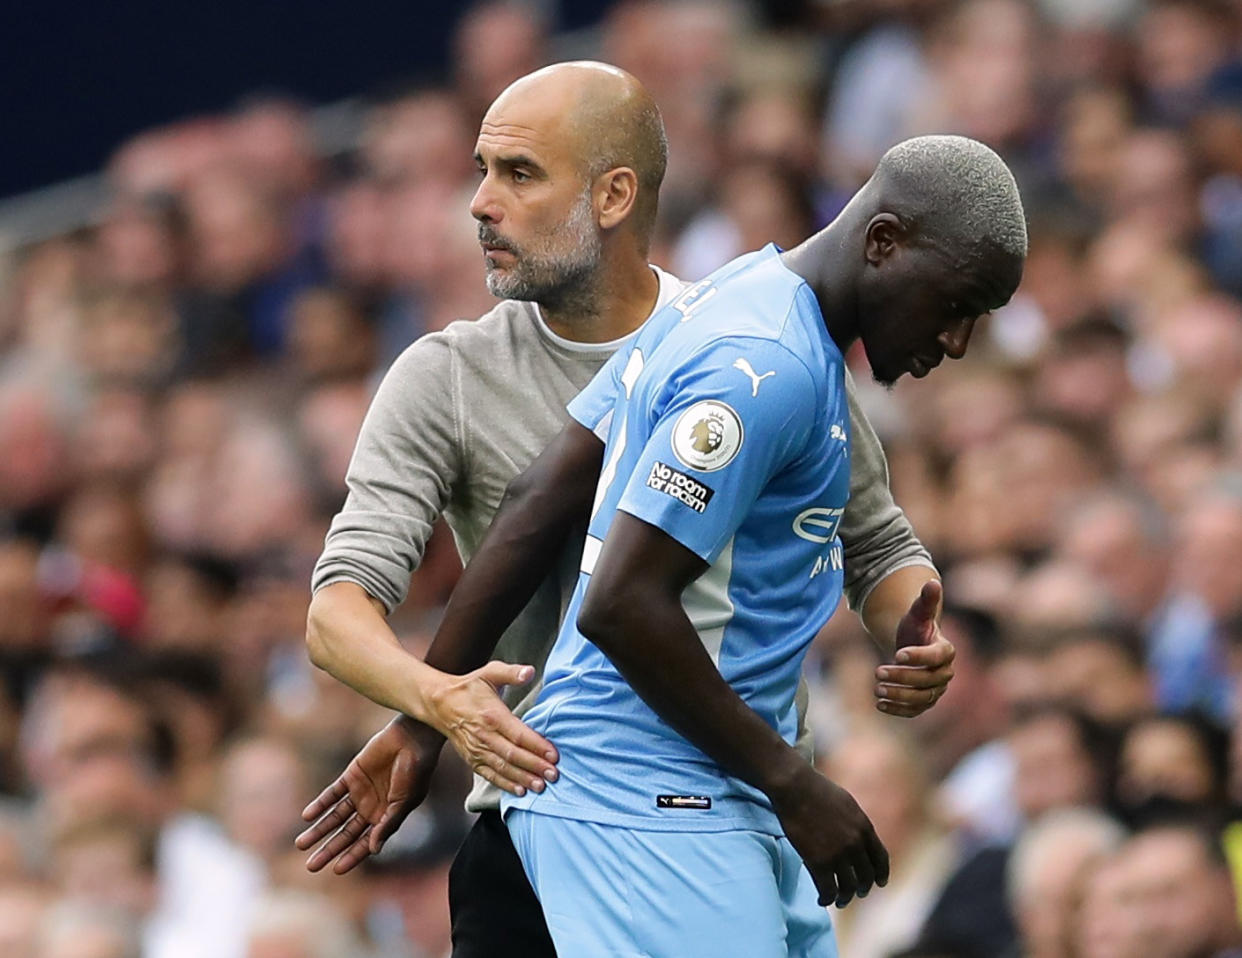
(520, 176)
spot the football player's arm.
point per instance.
(540, 509)
(632, 611)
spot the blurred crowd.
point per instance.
(181, 382)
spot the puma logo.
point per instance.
(755, 378)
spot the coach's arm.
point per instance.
(632, 611)
(450, 691)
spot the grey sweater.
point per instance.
(462, 412)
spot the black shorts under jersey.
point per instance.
(494, 910)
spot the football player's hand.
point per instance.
(833, 836)
(495, 743)
(367, 803)
(924, 660)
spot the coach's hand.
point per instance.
(367, 803)
(496, 744)
(924, 660)
(833, 836)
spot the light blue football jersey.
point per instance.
(726, 426)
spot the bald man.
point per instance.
(711, 460)
(571, 160)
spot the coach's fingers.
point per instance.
(537, 750)
(902, 677)
(494, 754)
(326, 799)
(925, 608)
(489, 773)
(900, 709)
(325, 826)
(934, 655)
(499, 674)
(515, 761)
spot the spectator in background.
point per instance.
(1166, 892)
(1082, 376)
(269, 137)
(1062, 759)
(961, 738)
(33, 450)
(1187, 654)
(755, 199)
(293, 925)
(78, 930)
(22, 907)
(105, 862)
(1111, 923)
(418, 135)
(1102, 671)
(1180, 45)
(140, 243)
(1173, 763)
(496, 42)
(1122, 540)
(330, 338)
(1075, 472)
(1045, 874)
(884, 773)
(246, 265)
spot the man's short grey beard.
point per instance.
(551, 279)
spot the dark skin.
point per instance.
(530, 152)
(540, 510)
(635, 591)
(633, 613)
(371, 799)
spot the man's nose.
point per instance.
(954, 339)
(483, 206)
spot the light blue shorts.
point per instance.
(611, 892)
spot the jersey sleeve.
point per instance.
(593, 406)
(741, 411)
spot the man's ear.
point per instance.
(884, 234)
(616, 192)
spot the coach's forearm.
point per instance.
(348, 637)
(890, 600)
